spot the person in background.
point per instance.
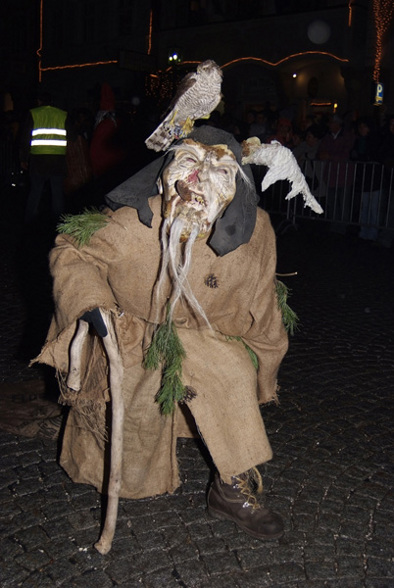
(259, 126)
(386, 148)
(106, 148)
(249, 118)
(43, 152)
(306, 153)
(283, 133)
(368, 176)
(79, 169)
(386, 158)
(334, 150)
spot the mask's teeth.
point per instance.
(200, 199)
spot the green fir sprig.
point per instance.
(166, 349)
(82, 226)
(289, 317)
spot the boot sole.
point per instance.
(216, 514)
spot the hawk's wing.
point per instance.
(184, 86)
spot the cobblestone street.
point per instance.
(331, 477)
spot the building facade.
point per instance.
(300, 55)
(309, 55)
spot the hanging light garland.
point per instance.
(382, 12)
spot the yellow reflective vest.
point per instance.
(49, 135)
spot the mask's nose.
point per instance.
(200, 174)
(193, 178)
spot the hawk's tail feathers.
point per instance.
(160, 139)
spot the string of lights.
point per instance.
(161, 84)
(75, 65)
(284, 59)
(350, 14)
(39, 50)
(150, 32)
(383, 11)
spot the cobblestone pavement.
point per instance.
(331, 477)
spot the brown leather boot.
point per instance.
(238, 503)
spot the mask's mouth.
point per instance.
(192, 207)
(193, 197)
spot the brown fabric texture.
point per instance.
(117, 271)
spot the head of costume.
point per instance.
(198, 184)
(200, 177)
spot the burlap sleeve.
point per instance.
(80, 276)
(79, 284)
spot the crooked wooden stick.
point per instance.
(104, 544)
(115, 382)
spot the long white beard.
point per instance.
(176, 262)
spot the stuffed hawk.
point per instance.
(197, 96)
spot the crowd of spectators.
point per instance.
(348, 160)
(340, 155)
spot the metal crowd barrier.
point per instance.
(352, 193)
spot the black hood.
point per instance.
(237, 223)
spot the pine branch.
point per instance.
(82, 226)
(289, 317)
(166, 349)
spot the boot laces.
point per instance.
(249, 484)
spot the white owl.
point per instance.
(197, 96)
(282, 165)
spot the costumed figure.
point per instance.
(179, 274)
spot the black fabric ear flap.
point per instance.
(237, 224)
(136, 191)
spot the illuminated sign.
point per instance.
(378, 100)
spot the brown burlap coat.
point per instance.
(117, 271)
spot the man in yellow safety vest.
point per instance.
(43, 153)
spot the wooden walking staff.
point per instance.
(115, 382)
